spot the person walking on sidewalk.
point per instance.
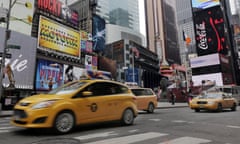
(173, 97)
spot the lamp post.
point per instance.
(7, 36)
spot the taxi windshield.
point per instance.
(212, 96)
(68, 88)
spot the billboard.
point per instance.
(209, 31)
(49, 75)
(86, 43)
(198, 5)
(210, 79)
(99, 33)
(59, 11)
(22, 60)
(55, 36)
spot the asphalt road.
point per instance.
(165, 126)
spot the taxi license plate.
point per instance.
(201, 106)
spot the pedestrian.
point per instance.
(173, 97)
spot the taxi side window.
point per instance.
(105, 88)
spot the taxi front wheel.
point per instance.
(64, 122)
(128, 117)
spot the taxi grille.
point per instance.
(201, 102)
(20, 113)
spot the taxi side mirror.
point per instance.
(87, 93)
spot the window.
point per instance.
(106, 88)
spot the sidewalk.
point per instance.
(161, 105)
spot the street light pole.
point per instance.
(7, 36)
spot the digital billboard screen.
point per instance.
(198, 5)
(209, 31)
(99, 32)
(49, 75)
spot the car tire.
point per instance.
(197, 110)
(219, 107)
(150, 108)
(64, 122)
(234, 107)
(127, 117)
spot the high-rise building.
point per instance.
(121, 17)
(162, 31)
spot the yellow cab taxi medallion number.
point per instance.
(93, 107)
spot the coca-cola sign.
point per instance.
(209, 29)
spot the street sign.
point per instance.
(13, 46)
(7, 55)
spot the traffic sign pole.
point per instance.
(7, 36)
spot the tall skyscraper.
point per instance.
(122, 20)
(162, 30)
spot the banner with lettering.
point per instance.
(209, 31)
(58, 37)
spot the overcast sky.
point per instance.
(142, 17)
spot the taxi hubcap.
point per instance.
(128, 116)
(64, 122)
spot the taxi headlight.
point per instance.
(193, 102)
(43, 104)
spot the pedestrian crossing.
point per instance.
(106, 138)
(131, 136)
(5, 125)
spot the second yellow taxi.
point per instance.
(146, 99)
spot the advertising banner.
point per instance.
(22, 61)
(49, 75)
(99, 33)
(58, 37)
(58, 10)
(209, 29)
(198, 5)
(132, 75)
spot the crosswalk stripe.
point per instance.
(4, 131)
(232, 126)
(96, 135)
(130, 139)
(2, 128)
(186, 140)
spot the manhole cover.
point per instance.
(58, 141)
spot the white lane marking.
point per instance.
(186, 140)
(96, 135)
(232, 126)
(156, 120)
(179, 121)
(4, 131)
(3, 128)
(132, 131)
(130, 139)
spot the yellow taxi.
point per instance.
(76, 103)
(146, 99)
(213, 101)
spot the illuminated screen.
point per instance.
(198, 5)
(99, 32)
(209, 31)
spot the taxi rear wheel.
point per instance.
(219, 107)
(64, 122)
(127, 117)
(234, 107)
(150, 108)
